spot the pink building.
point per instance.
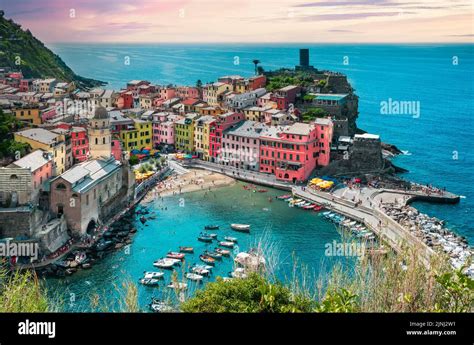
(163, 128)
(40, 164)
(291, 153)
(167, 93)
(285, 96)
(116, 149)
(240, 145)
(187, 92)
(223, 122)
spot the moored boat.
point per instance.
(159, 306)
(213, 255)
(201, 271)
(227, 244)
(204, 238)
(284, 197)
(149, 281)
(194, 276)
(153, 275)
(241, 227)
(211, 227)
(223, 252)
(166, 263)
(175, 255)
(178, 286)
(186, 249)
(231, 239)
(207, 259)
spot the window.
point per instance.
(61, 186)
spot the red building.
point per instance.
(80, 144)
(223, 122)
(116, 149)
(285, 96)
(26, 85)
(291, 153)
(125, 100)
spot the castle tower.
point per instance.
(99, 134)
(304, 58)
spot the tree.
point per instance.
(313, 113)
(256, 62)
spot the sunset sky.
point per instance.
(244, 20)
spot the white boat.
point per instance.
(231, 239)
(227, 244)
(149, 281)
(194, 276)
(153, 275)
(179, 286)
(160, 306)
(166, 263)
(201, 271)
(241, 227)
(205, 267)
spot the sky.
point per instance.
(319, 21)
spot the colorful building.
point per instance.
(137, 136)
(241, 144)
(214, 93)
(30, 115)
(285, 96)
(291, 153)
(222, 122)
(202, 128)
(184, 133)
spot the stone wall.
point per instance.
(15, 186)
(19, 221)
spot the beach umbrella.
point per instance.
(146, 152)
(135, 152)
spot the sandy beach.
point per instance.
(194, 180)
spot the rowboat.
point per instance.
(186, 249)
(201, 271)
(223, 252)
(308, 207)
(231, 239)
(175, 255)
(211, 227)
(153, 275)
(149, 281)
(317, 208)
(194, 276)
(283, 197)
(207, 259)
(241, 227)
(204, 238)
(213, 255)
(178, 286)
(227, 244)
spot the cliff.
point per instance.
(37, 61)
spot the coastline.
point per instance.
(191, 181)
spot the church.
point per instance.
(95, 190)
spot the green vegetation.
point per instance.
(281, 78)
(133, 160)
(313, 113)
(37, 61)
(252, 295)
(8, 146)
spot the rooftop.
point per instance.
(39, 134)
(34, 160)
(250, 129)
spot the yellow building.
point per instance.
(201, 136)
(31, 115)
(54, 143)
(184, 133)
(137, 136)
(213, 93)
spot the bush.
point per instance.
(254, 294)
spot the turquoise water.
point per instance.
(438, 143)
(294, 235)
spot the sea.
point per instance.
(418, 97)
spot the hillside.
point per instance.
(37, 61)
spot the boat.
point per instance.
(317, 208)
(204, 238)
(284, 197)
(223, 252)
(166, 263)
(213, 255)
(186, 249)
(178, 286)
(207, 259)
(231, 239)
(149, 281)
(86, 265)
(262, 190)
(143, 219)
(308, 207)
(213, 236)
(239, 272)
(175, 255)
(241, 227)
(201, 271)
(205, 267)
(159, 306)
(227, 244)
(211, 227)
(194, 276)
(153, 275)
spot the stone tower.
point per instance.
(99, 134)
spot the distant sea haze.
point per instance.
(437, 81)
